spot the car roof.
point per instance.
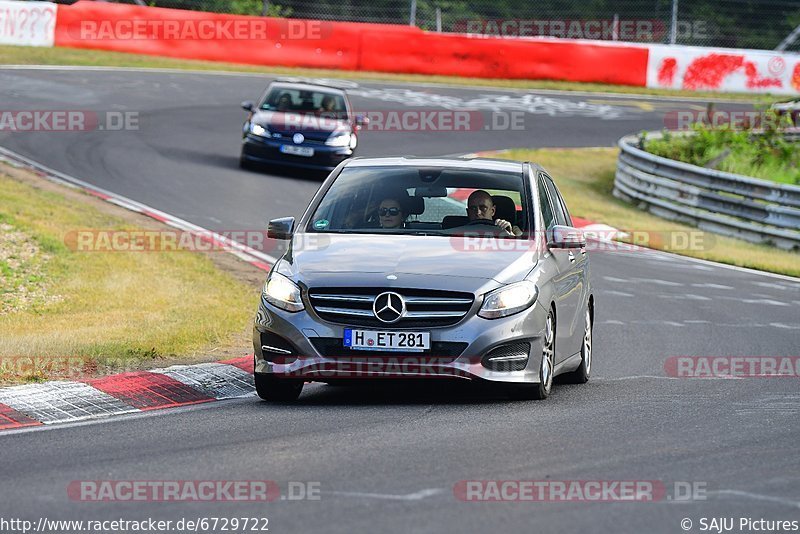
(491, 164)
(307, 86)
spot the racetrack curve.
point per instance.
(387, 459)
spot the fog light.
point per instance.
(507, 358)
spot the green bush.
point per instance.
(765, 153)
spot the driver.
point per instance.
(480, 206)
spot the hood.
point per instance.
(310, 125)
(501, 260)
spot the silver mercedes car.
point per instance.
(441, 269)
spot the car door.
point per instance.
(571, 264)
(558, 259)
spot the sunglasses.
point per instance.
(383, 212)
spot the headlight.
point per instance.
(509, 300)
(257, 129)
(339, 139)
(282, 293)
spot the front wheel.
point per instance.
(272, 388)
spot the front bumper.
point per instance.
(311, 339)
(267, 151)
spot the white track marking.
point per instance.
(416, 496)
(756, 496)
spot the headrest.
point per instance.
(504, 208)
(416, 205)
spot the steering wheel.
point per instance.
(480, 221)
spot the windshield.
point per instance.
(418, 200)
(305, 102)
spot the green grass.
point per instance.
(20, 55)
(586, 179)
(115, 310)
(765, 155)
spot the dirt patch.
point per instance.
(22, 281)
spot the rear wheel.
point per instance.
(584, 370)
(542, 390)
(272, 388)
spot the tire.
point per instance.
(272, 388)
(584, 370)
(541, 390)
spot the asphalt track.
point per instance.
(387, 459)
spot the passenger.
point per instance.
(284, 102)
(480, 206)
(391, 213)
(328, 104)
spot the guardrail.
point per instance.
(749, 208)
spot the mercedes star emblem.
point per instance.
(389, 307)
(298, 138)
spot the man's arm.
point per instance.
(508, 227)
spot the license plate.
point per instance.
(297, 150)
(386, 340)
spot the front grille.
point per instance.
(288, 137)
(424, 308)
(510, 357)
(440, 351)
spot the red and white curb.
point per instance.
(70, 401)
(252, 256)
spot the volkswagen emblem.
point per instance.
(298, 138)
(389, 307)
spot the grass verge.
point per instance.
(21, 55)
(110, 311)
(585, 177)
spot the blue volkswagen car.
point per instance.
(300, 123)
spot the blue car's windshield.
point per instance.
(292, 100)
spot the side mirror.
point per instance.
(565, 237)
(361, 120)
(281, 228)
(248, 105)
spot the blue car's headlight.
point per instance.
(509, 300)
(257, 129)
(342, 139)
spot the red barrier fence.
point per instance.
(405, 49)
(341, 45)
